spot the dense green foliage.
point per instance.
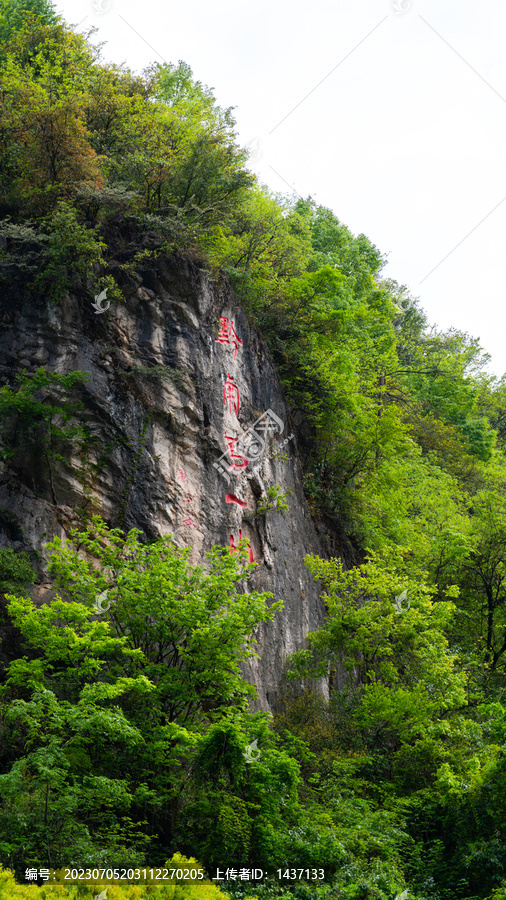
(16, 13)
(125, 728)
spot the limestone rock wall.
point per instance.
(161, 433)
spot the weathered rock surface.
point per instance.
(158, 435)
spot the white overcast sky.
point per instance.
(390, 112)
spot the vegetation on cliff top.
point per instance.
(124, 741)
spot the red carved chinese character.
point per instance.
(231, 498)
(235, 456)
(234, 549)
(231, 393)
(228, 334)
(181, 475)
(189, 521)
(188, 498)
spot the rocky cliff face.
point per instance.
(173, 373)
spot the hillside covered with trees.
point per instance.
(122, 744)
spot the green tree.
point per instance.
(46, 151)
(184, 158)
(39, 420)
(71, 257)
(200, 626)
(100, 725)
(481, 574)
(15, 570)
(15, 13)
(384, 630)
(240, 804)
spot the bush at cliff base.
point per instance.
(499, 893)
(11, 890)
